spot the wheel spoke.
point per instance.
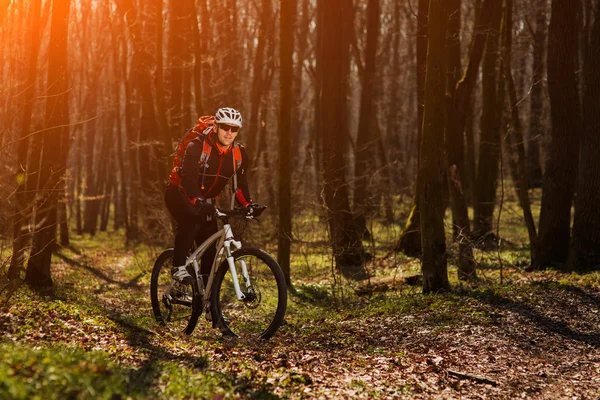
(261, 313)
(175, 308)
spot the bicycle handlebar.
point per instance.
(247, 212)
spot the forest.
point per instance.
(429, 170)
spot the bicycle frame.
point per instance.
(224, 242)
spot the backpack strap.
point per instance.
(207, 130)
(206, 148)
(237, 163)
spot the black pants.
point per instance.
(190, 227)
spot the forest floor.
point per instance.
(533, 335)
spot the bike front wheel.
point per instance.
(262, 310)
(175, 305)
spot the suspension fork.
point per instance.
(234, 276)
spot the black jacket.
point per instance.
(198, 181)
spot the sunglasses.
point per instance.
(231, 128)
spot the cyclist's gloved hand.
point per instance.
(204, 208)
(255, 209)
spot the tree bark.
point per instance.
(197, 69)
(23, 200)
(410, 238)
(364, 157)
(91, 202)
(563, 153)
(175, 62)
(258, 80)
(455, 127)
(208, 99)
(302, 31)
(286, 62)
(432, 166)
(584, 253)
(336, 21)
(38, 274)
(149, 174)
(455, 149)
(537, 129)
(121, 214)
(168, 123)
(489, 149)
(520, 178)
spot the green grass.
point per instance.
(59, 372)
(96, 338)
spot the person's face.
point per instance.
(226, 134)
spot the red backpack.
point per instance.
(203, 127)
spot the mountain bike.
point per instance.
(245, 294)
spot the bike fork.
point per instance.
(234, 276)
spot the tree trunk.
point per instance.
(62, 198)
(175, 62)
(120, 213)
(77, 193)
(336, 20)
(584, 253)
(386, 172)
(391, 138)
(186, 107)
(168, 124)
(150, 176)
(432, 166)
(38, 273)
(197, 71)
(410, 238)
(90, 218)
(563, 153)
(286, 64)
(489, 149)
(258, 80)
(455, 126)
(364, 158)
(129, 137)
(108, 196)
(516, 135)
(22, 212)
(537, 129)
(208, 100)
(455, 149)
(302, 42)
(316, 137)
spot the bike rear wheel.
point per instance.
(175, 305)
(262, 311)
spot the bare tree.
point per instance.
(563, 153)
(537, 128)
(432, 166)
(286, 62)
(410, 239)
(365, 142)
(489, 150)
(23, 200)
(516, 142)
(335, 22)
(455, 127)
(55, 149)
(584, 253)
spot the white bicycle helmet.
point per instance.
(228, 116)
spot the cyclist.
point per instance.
(210, 160)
